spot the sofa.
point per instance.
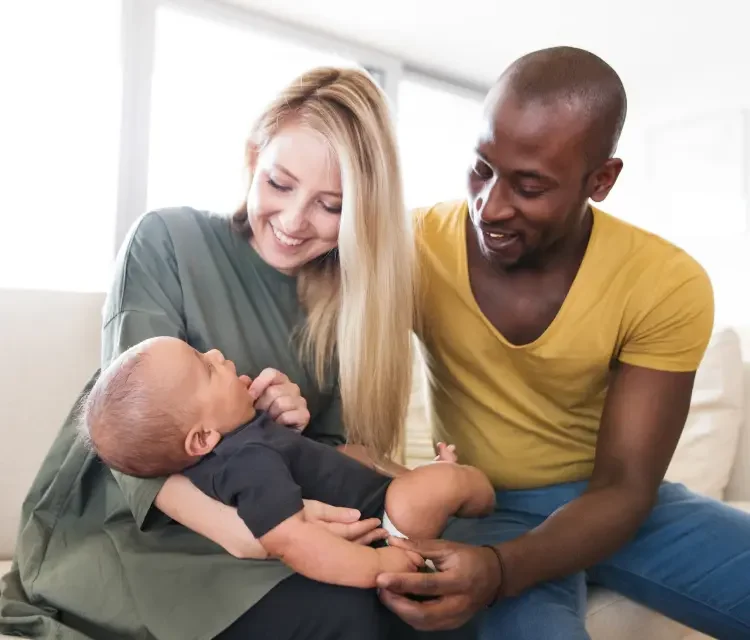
(52, 339)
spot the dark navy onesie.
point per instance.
(265, 470)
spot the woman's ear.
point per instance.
(201, 441)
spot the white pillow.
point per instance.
(706, 452)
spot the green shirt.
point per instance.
(94, 558)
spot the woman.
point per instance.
(312, 277)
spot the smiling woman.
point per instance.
(294, 203)
(311, 280)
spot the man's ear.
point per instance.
(604, 178)
(201, 441)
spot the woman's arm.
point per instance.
(316, 553)
(182, 501)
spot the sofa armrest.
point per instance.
(738, 489)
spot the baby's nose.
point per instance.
(217, 355)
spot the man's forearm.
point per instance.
(574, 538)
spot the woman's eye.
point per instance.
(278, 186)
(331, 208)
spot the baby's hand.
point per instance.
(395, 560)
(446, 453)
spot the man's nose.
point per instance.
(493, 204)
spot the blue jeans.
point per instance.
(690, 561)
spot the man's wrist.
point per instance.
(499, 591)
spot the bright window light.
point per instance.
(437, 131)
(59, 152)
(211, 79)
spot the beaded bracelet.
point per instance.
(501, 562)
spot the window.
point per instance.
(60, 133)
(437, 130)
(211, 78)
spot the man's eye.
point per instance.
(482, 170)
(530, 193)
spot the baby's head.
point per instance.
(162, 405)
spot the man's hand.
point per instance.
(468, 579)
(344, 523)
(274, 393)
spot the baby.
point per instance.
(163, 408)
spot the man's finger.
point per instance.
(422, 584)
(431, 549)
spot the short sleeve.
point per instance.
(672, 319)
(144, 301)
(257, 480)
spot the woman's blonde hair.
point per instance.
(359, 298)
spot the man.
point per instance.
(562, 346)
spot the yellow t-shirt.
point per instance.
(529, 415)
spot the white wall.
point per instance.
(49, 343)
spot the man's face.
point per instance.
(529, 182)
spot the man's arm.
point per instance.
(643, 418)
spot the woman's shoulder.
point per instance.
(175, 221)
(176, 230)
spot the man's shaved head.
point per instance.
(544, 149)
(578, 79)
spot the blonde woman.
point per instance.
(311, 277)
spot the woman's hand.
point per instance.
(344, 523)
(274, 393)
(467, 579)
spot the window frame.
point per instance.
(138, 45)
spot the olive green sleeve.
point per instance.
(144, 301)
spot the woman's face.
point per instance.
(294, 201)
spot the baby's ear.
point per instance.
(201, 441)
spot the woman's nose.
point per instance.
(293, 218)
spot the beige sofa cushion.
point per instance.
(706, 452)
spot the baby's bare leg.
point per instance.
(420, 502)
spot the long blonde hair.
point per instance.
(359, 299)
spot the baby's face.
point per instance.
(207, 383)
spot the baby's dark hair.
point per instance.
(129, 424)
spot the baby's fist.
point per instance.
(394, 560)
